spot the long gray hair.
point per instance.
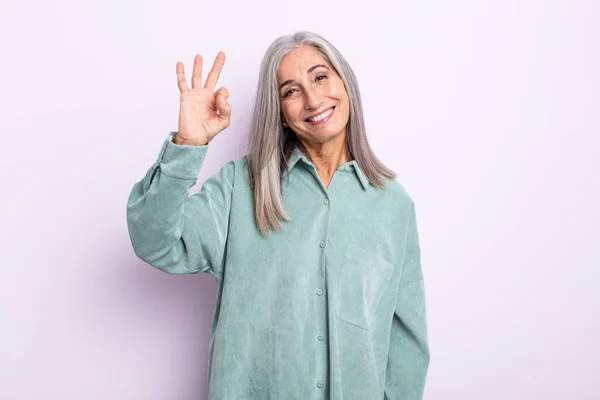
(270, 143)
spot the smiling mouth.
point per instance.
(324, 112)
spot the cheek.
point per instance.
(290, 112)
(344, 102)
(339, 91)
(285, 111)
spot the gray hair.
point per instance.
(270, 144)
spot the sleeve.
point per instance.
(408, 356)
(171, 230)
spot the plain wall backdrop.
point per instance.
(488, 111)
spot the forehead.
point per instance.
(298, 61)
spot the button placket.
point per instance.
(320, 290)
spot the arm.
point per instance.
(408, 357)
(171, 230)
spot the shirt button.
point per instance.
(347, 168)
(319, 291)
(320, 337)
(326, 201)
(322, 244)
(319, 385)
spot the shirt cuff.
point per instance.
(181, 161)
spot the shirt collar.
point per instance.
(297, 155)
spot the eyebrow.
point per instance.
(311, 69)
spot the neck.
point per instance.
(327, 156)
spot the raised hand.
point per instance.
(203, 113)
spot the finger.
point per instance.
(225, 112)
(222, 94)
(215, 72)
(181, 83)
(197, 74)
(223, 107)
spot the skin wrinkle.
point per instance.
(314, 92)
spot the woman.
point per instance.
(312, 242)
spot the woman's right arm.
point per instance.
(170, 229)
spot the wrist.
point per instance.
(181, 142)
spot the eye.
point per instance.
(317, 78)
(286, 94)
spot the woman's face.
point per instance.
(309, 87)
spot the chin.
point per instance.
(328, 134)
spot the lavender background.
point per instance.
(487, 110)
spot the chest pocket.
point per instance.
(363, 278)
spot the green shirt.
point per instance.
(331, 307)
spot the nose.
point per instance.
(313, 99)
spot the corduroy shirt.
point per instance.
(331, 307)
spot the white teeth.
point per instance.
(321, 116)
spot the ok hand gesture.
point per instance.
(203, 113)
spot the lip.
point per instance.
(323, 120)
